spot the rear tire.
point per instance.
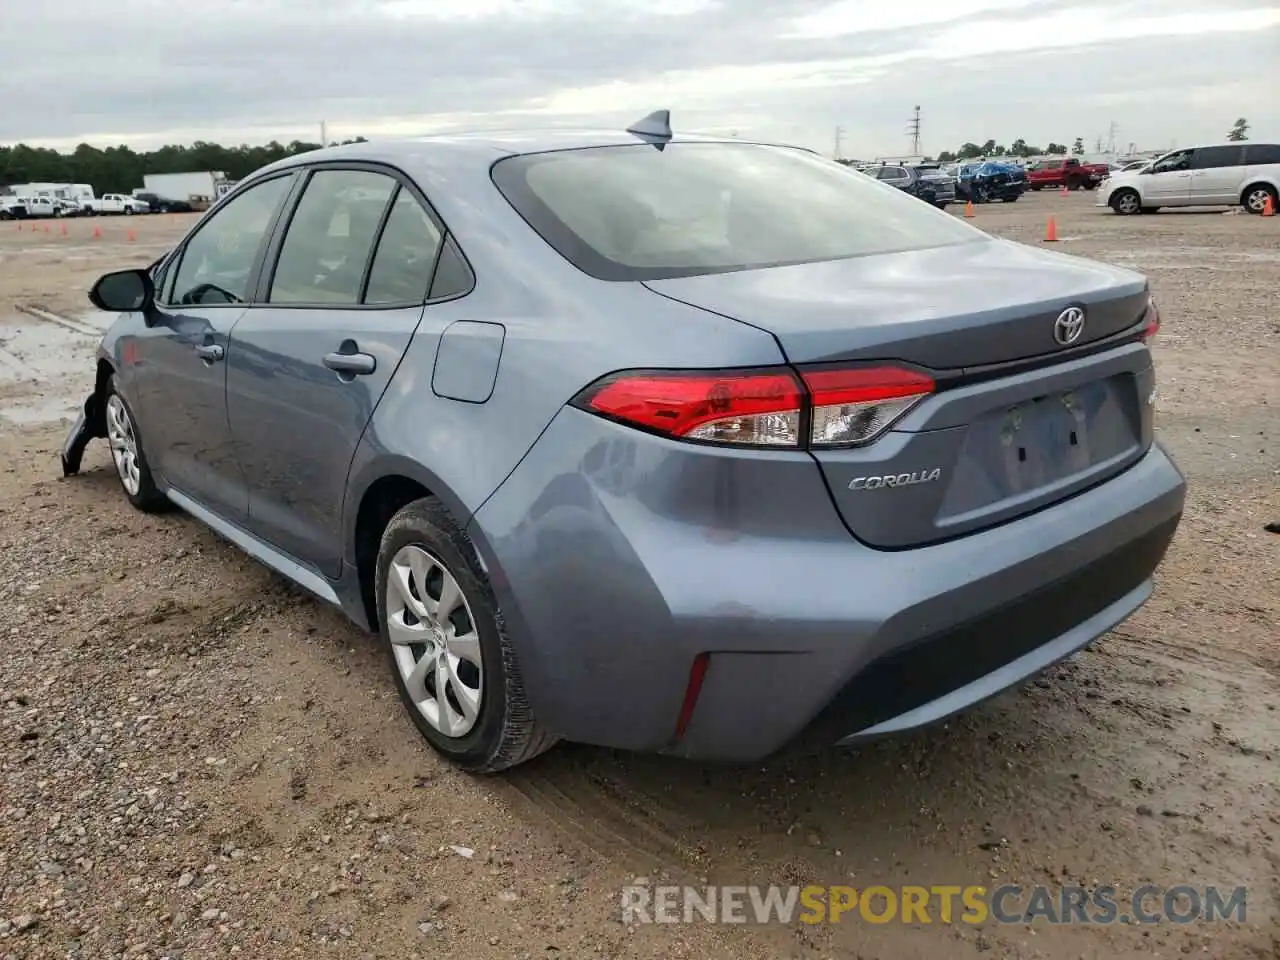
(473, 714)
(1126, 202)
(1254, 198)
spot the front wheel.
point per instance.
(451, 659)
(126, 453)
(1126, 202)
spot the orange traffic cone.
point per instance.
(132, 237)
(97, 233)
(1064, 191)
(1051, 231)
(64, 230)
(1268, 207)
(968, 208)
(46, 228)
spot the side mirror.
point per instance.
(123, 291)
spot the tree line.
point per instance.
(120, 169)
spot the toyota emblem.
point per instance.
(1069, 325)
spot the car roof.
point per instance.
(486, 147)
(453, 171)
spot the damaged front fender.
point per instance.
(91, 424)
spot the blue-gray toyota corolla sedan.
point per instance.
(656, 442)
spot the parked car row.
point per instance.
(41, 208)
(33, 208)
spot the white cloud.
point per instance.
(153, 71)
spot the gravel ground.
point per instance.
(197, 760)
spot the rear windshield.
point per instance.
(636, 213)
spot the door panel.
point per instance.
(309, 366)
(1169, 183)
(181, 358)
(297, 422)
(184, 416)
(1217, 174)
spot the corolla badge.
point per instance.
(1069, 325)
(896, 479)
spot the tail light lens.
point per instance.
(758, 408)
(854, 406)
(1152, 318)
(772, 408)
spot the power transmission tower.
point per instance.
(324, 134)
(839, 137)
(1112, 130)
(913, 130)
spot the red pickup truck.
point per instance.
(1068, 172)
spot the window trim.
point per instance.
(271, 257)
(255, 271)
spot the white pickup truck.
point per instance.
(116, 203)
(21, 208)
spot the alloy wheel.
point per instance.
(1128, 203)
(124, 445)
(1257, 200)
(435, 642)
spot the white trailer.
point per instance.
(65, 191)
(198, 189)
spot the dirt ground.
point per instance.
(197, 760)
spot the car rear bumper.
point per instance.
(616, 575)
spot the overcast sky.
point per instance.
(147, 72)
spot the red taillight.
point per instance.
(762, 408)
(854, 406)
(1152, 322)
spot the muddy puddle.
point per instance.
(46, 367)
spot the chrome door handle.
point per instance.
(210, 352)
(352, 363)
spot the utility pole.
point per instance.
(839, 137)
(913, 130)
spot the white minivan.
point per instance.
(1227, 174)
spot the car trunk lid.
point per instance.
(1021, 420)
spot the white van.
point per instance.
(1227, 174)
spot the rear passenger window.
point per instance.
(1214, 158)
(325, 252)
(1258, 153)
(401, 270)
(453, 276)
